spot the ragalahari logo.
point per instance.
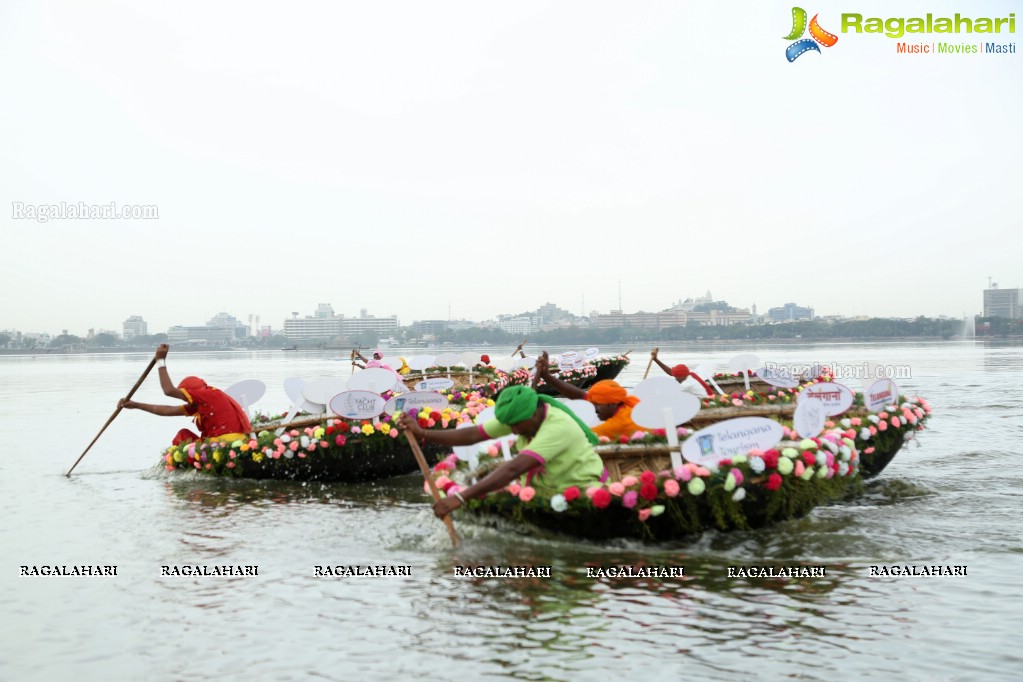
(817, 35)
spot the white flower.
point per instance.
(285, 438)
(908, 435)
(739, 495)
(304, 441)
(864, 433)
(873, 418)
(846, 423)
(757, 464)
(843, 468)
(845, 452)
(289, 454)
(558, 503)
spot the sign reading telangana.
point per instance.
(731, 437)
(416, 400)
(809, 418)
(835, 398)
(437, 384)
(881, 393)
(777, 376)
(357, 404)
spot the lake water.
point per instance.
(956, 500)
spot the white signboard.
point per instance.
(470, 358)
(447, 360)
(357, 404)
(376, 379)
(655, 387)
(320, 391)
(650, 412)
(246, 392)
(417, 400)
(438, 384)
(881, 393)
(584, 410)
(419, 363)
(834, 397)
(809, 418)
(732, 437)
(591, 353)
(777, 376)
(742, 362)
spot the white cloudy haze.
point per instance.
(428, 159)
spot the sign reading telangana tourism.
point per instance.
(437, 384)
(731, 437)
(809, 418)
(881, 393)
(777, 376)
(357, 404)
(416, 400)
(835, 398)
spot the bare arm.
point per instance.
(446, 437)
(497, 479)
(160, 410)
(653, 356)
(169, 389)
(566, 389)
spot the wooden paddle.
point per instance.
(134, 388)
(520, 347)
(649, 364)
(425, 468)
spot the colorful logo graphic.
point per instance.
(817, 35)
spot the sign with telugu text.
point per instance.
(777, 376)
(835, 398)
(730, 438)
(436, 384)
(416, 400)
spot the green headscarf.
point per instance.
(518, 403)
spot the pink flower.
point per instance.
(592, 490)
(895, 422)
(514, 488)
(882, 426)
(737, 402)
(644, 514)
(671, 487)
(293, 445)
(616, 489)
(630, 498)
(685, 474)
(527, 493)
(629, 481)
(737, 475)
(855, 421)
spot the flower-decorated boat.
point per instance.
(649, 499)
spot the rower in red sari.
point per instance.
(216, 414)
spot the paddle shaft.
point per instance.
(114, 415)
(520, 347)
(455, 541)
(649, 364)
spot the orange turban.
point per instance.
(609, 392)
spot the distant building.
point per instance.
(204, 335)
(239, 330)
(790, 312)
(324, 324)
(1003, 302)
(515, 325)
(134, 327)
(429, 327)
(382, 326)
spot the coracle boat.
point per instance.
(327, 448)
(646, 498)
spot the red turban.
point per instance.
(680, 372)
(608, 392)
(485, 359)
(191, 384)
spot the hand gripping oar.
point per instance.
(455, 541)
(116, 412)
(520, 347)
(649, 364)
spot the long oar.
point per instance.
(116, 412)
(520, 347)
(649, 364)
(455, 541)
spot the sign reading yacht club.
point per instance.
(357, 404)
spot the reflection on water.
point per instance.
(954, 500)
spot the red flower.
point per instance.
(340, 441)
(571, 493)
(623, 439)
(435, 416)
(809, 458)
(330, 430)
(724, 462)
(648, 491)
(771, 459)
(648, 477)
(601, 498)
(773, 481)
(425, 423)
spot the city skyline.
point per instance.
(454, 160)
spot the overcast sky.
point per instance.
(435, 159)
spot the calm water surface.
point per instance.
(956, 500)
